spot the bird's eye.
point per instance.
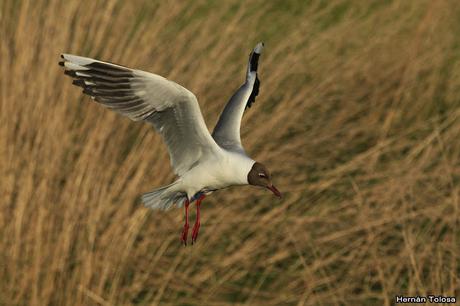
(262, 175)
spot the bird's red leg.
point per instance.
(196, 227)
(184, 235)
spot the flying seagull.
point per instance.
(203, 162)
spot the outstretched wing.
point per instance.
(139, 95)
(227, 130)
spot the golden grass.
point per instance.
(358, 116)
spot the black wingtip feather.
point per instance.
(70, 73)
(80, 83)
(108, 68)
(88, 91)
(254, 62)
(61, 64)
(254, 93)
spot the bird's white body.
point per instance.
(228, 169)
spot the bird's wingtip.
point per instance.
(259, 47)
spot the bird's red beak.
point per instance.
(274, 190)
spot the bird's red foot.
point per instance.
(184, 234)
(196, 227)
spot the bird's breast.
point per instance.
(217, 172)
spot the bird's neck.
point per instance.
(240, 166)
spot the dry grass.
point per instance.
(358, 114)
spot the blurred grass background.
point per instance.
(358, 116)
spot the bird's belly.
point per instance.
(203, 182)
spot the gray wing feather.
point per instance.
(227, 130)
(172, 109)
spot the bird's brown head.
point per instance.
(260, 176)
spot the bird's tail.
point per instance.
(164, 198)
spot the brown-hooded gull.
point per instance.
(203, 162)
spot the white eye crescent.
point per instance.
(262, 175)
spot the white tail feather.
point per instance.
(164, 198)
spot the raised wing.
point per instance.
(227, 130)
(139, 95)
